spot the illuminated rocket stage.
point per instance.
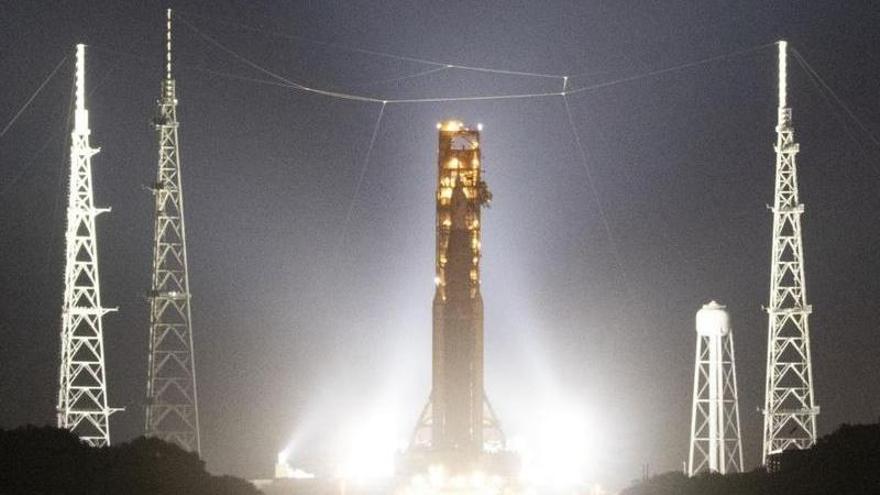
(458, 431)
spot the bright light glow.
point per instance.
(557, 453)
(369, 446)
(439, 482)
(299, 474)
(284, 470)
(81, 116)
(452, 125)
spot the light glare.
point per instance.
(369, 447)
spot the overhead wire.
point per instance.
(356, 97)
(7, 187)
(665, 70)
(32, 97)
(292, 84)
(374, 99)
(56, 204)
(361, 177)
(230, 75)
(814, 74)
(183, 66)
(268, 82)
(366, 51)
(405, 78)
(440, 99)
(823, 92)
(591, 183)
(282, 81)
(564, 93)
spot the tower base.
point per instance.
(492, 461)
(414, 462)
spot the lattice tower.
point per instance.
(172, 401)
(789, 408)
(82, 392)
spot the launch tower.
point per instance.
(458, 427)
(82, 392)
(789, 408)
(172, 405)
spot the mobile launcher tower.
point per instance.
(458, 431)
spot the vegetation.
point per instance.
(845, 462)
(45, 460)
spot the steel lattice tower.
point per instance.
(82, 392)
(716, 443)
(789, 408)
(172, 405)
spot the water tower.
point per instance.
(716, 444)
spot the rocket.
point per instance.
(458, 429)
(457, 380)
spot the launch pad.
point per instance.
(457, 446)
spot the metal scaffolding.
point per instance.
(789, 408)
(172, 405)
(82, 392)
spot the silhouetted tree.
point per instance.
(45, 460)
(846, 462)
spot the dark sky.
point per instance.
(303, 324)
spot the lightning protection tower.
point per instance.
(789, 408)
(172, 405)
(82, 392)
(716, 444)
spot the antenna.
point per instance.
(172, 402)
(81, 118)
(783, 73)
(82, 391)
(168, 45)
(789, 408)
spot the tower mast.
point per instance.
(172, 403)
(82, 392)
(789, 408)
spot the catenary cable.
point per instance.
(363, 174)
(32, 97)
(365, 51)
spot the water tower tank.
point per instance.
(713, 320)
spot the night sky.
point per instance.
(304, 322)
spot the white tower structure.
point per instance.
(82, 392)
(172, 403)
(716, 444)
(789, 408)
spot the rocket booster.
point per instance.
(457, 397)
